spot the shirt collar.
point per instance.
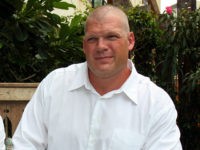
(129, 87)
(81, 78)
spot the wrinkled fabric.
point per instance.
(66, 113)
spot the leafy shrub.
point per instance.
(146, 30)
(168, 50)
(34, 41)
(181, 47)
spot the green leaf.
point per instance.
(1, 45)
(30, 4)
(44, 25)
(20, 33)
(64, 31)
(55, 18)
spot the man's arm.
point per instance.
(31, 133)
(164, 133)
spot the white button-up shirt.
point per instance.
(66, 113)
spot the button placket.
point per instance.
(95, 125)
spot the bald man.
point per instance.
(103, 103)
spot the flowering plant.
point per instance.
(169, 10)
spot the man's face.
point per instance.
(106, 46)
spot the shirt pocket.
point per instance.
(126, 140)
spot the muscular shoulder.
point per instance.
(153, 94)
(65, 73)
(63, 77)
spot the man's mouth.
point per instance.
(103, 57)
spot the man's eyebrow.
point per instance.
(90, 35)
(105, 34)
(113, 33)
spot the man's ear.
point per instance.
(131, 39)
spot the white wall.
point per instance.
(165, 3)
(136, 2)
(198, 4)
(80, 6)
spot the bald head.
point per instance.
(100, 13)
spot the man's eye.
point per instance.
(92, 39)
(112, 37)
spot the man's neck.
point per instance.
(105, 85)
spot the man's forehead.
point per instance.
(103, 33)
(105, 26)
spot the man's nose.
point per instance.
(101, 44)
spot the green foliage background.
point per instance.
(34, 41)
(168, 51)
